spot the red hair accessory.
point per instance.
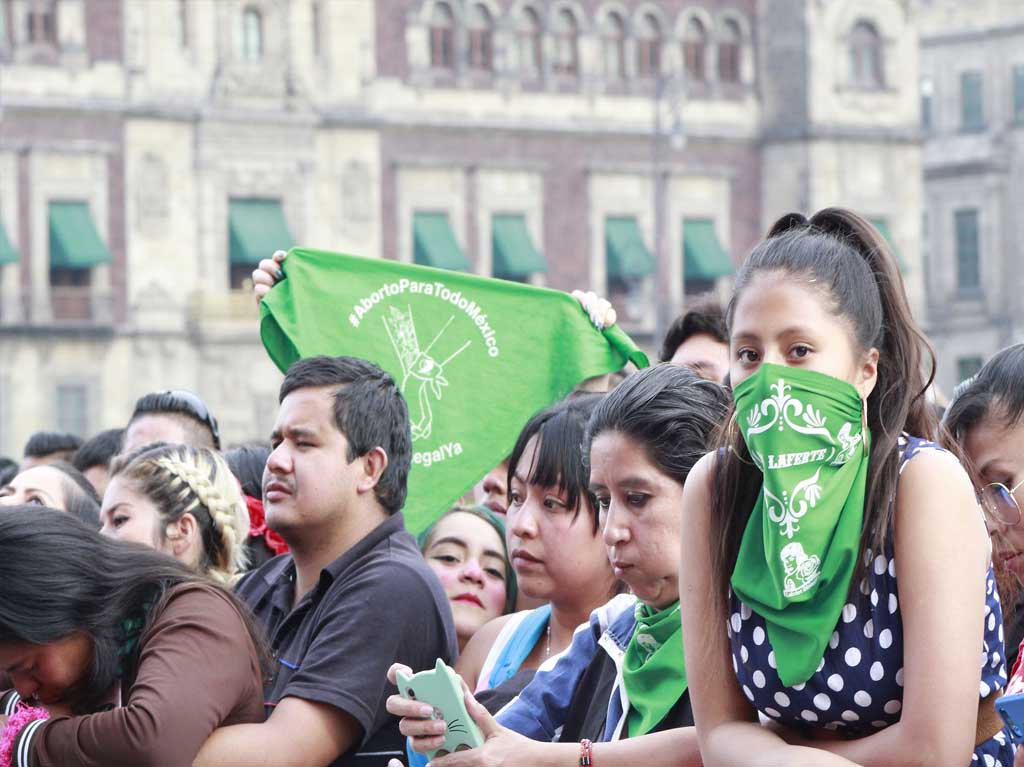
(258, 526)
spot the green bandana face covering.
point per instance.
(804, 430)
(653, 669)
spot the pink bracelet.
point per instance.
(17, 722)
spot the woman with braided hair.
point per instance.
(181, 500)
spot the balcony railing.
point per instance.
(70, 306)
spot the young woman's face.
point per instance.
(467, 554)
(997, 450)
(781, 320)
(641, 508)
(47, 672)
(128, 515)
(556, 554)
(40, 485)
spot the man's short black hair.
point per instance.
(369, 410)
(44, 443)
(8, 470)
(192, 412)
(706, 317)
(98, 450)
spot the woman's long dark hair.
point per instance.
(668, 410)
(843, 256)
(60, 578)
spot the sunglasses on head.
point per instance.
(191, 404)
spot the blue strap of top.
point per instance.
(519, 646)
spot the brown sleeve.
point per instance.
(197, 666)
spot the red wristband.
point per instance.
(586, 753)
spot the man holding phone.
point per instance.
(354, 593)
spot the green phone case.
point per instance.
(441, 688)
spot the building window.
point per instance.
(968, 271)
(442, 37)
(73, 409)
(252, 34)
(695, 45)
(529, 34)
(648, 47)
(316, 21)
(41, 22)
(730, 43)
(183, 30)
(972, 103)
(567, 52)
(70, 290)
(927, 92)
(481, 39)
(866, 69)
(1018, 93)
(968, 367)
(613, 44)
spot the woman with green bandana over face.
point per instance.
(836, 573)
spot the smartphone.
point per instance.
(441, 688)
(1011, 709)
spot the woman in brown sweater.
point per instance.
(136, 658)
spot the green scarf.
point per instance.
(804, 431)
(451, 340)
(653, 669)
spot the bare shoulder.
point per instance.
(933, 473)
(471, 659)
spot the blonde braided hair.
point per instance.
(181, 479)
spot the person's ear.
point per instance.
(182, 534)
(868, 373)
(373, 464)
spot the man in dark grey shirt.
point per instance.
(354, 595)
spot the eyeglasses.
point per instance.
(190, 403)
(1000, 503)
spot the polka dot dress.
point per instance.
(857, 688)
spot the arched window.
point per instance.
(531, 54)
(648, 47)
(866, 69)
(442, 37)
(730, 41)
(567, 52)
(613, 43)
(481, 39)
(695, 44)
(252, 34)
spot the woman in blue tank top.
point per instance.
(838, 569)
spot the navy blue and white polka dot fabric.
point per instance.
(857, 688)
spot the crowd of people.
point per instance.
(778, 546)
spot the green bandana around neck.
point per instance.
(804, 431)
(653, 669)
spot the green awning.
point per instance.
(882, 225)
(435, 243)
(628, 257)
(8, 255)
(514, 252)
(257, 229)
(74, 241)
(704, 258)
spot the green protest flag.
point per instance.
(475, 357)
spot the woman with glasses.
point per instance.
(986, 420)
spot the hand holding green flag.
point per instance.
(475, 357)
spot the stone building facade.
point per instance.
(972, 117)
(636, 148)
